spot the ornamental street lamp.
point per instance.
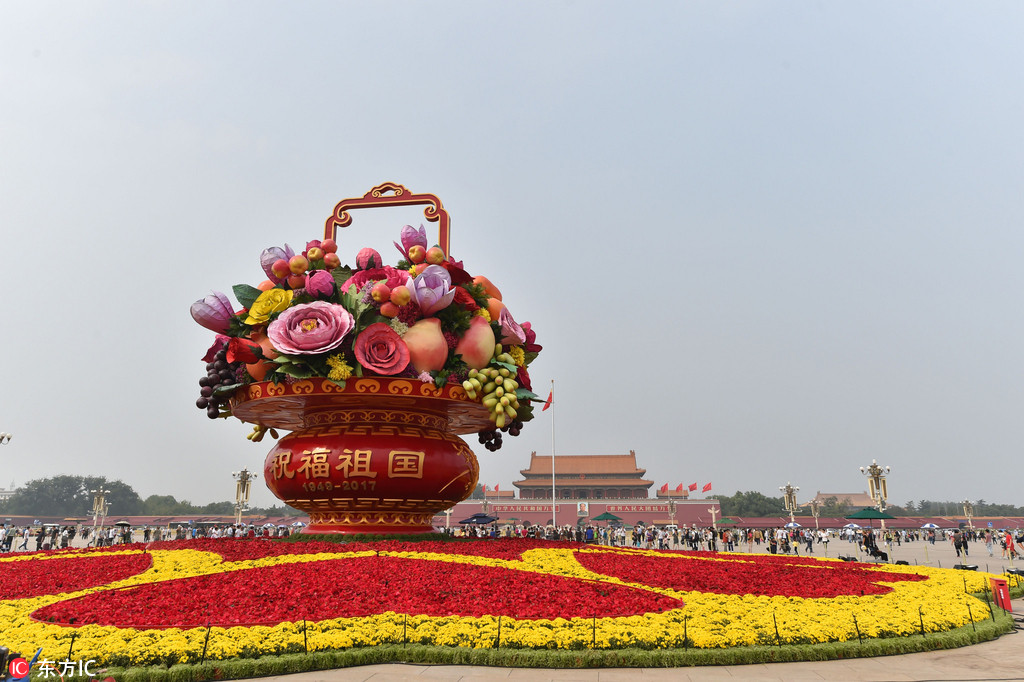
(969, 513)
(789, 498)
(876, 482)
(815, 511)
(672, 511)
(5, 437)
(243, 482)
(100, 507)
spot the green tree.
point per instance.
(217, 508)
(70, 496)
(751, 503)
(835, 507)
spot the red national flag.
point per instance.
(664, 488)
(679, 488)
(551, 395)
(485, 487)
(496, 487)
(693, 487)
(706, 488)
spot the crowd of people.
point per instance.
(772, 540)
(56, 536)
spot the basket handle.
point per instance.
(378, 198)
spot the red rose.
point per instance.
(380, 349)
(242, 350)
(463, 298)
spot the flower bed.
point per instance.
(223, 599)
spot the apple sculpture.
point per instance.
(375, 369)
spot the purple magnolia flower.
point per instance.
(411, 237)
(432, 289)
(213, 312)
(271, 256)
(310, 328)
(320, 284)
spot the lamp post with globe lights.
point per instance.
(876, 485)
(969, 513)
(789, 499)
(100, 507)
(815, 511)
(5, 437)
(243, 483)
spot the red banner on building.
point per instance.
(662, 508)
(524, 507)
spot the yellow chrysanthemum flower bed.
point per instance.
(194, 604)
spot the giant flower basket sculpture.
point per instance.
(375, 369)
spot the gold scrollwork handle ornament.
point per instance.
(400, 387)
(367, 386)
(392, 194)
(304, 386)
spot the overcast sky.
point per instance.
(760, 242)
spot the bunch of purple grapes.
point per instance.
(491, 438)
(218, 373)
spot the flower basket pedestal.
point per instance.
(380, 456)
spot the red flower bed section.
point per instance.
(771, 576)
(352, 587)
(35, 577)
(241, 549)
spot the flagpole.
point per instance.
(553, 522)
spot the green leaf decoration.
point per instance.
(246, 294)
(507, 365)
(296, 370)
(225, 390)
(524, 394)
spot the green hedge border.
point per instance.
(285, 664)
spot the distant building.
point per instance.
(853, 500)
(584, 477)
(6, 494)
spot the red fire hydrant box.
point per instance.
(1001, 593)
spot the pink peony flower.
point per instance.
(380, 349)
(320, 284)
(213, 312)
(511, 332)
(271, 256)
(432, 289)
(411, 237)
(392, 276)
(310, 328)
